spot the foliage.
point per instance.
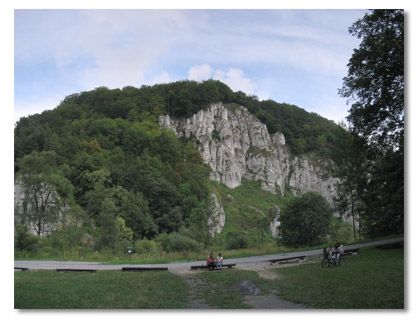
(236, 240)
(146, 246)
(375, 80)
(351, 162)
(375, 85)
(304, 220)
(175, 242)
(23, 240)
(46, 191)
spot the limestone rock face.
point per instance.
(217, 218)
(274, 214)
(235, 144)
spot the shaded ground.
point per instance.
(253, 295)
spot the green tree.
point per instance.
(304, 220)
(375, 80)
(108, 226)
(46, 191)
(135, 212)
(351, 168)
(375, 85)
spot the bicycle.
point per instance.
(331, 261)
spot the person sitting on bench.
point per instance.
(210, 261)
(219, 262)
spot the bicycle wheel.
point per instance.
(325, 263)
(342, 261)
(332, 263)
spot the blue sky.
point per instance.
(293, 56)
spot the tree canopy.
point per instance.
(375, 80)
(304, 220)
(375, 86)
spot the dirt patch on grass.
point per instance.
(253, 295)
(196, 285)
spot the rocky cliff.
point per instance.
(236, 144)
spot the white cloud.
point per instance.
(236, 80)
(233, 77)
(200, 72)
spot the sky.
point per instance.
(294, 56)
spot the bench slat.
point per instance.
(76, 270)
(287, 259)
(144, 269)
(229, 265)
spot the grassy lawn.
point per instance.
(372, 280)
(100, 290)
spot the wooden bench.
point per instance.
(21, 269)
(350, 252)
(145, 269)
(225, 265)
(76, 270)
(302, 258)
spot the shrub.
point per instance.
(175, 242)
(304, 220)
(236, 240)
(145, 246)
(25, 241)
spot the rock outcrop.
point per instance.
(235, 144)
(274, 214)
(217, 217)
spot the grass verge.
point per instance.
(372, 280)
(100, 290)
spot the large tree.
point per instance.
(46, 192)
(375, 86)
(375, 80)
(304, 220)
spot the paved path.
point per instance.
(53, 265)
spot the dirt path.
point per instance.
(253, 295)
(195, 286)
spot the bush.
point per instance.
(236, 240)
(145, 246)
(175, 242)
(25, 241)
(305, 220)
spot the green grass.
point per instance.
(223, 294)
(372, 280)
(100, 290)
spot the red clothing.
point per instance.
(210, 259)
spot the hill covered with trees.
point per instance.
(102, 153)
